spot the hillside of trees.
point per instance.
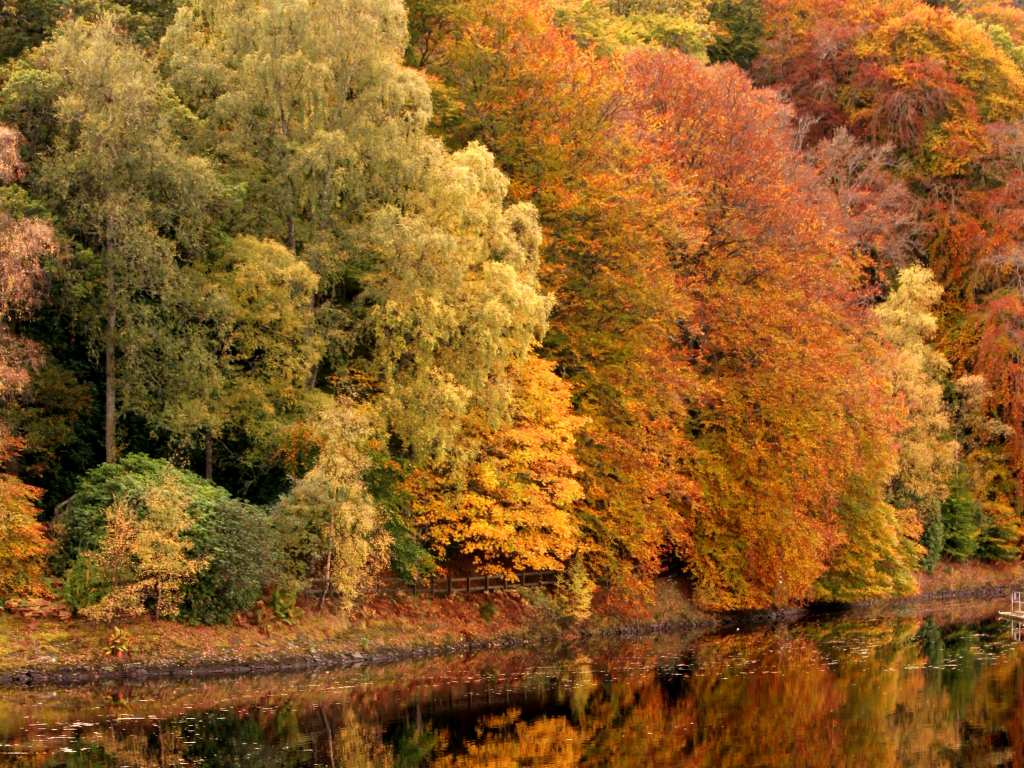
(299, 293)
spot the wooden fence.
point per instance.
(452, 585)
(455, 585)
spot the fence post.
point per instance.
(449, 583)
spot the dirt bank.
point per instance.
(392, 628)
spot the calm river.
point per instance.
(920, 688)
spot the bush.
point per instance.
(239, 541)
(144, 559)
(84, 585)
(80, 522)
(234, 540)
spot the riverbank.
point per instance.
(617, 700)
(386, 629)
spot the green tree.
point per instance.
(24, 24)
(961, 522)
(613, 24)
(739, 27)
(427, 281)
(116, 176)
(981, 514)
(252, 346)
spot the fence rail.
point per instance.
(453, 585)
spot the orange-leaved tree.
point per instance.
(554, 115)
(944, 87)
(794, 416)
(511, 509)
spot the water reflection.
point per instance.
(929, 690)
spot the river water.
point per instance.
(938, 687)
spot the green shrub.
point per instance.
(84, 585)
(81, 521)
(238, 540)
(235, 540)
(410, 560)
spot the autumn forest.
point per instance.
(296, 294)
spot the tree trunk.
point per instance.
(110, 416)
(327, 580)
(209, 455)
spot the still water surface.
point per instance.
(940, 688)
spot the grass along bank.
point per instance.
(387, 628)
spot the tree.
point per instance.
(609, 25)
(921, 78)
(452, 302)
(119, 182)
(25, 24)
(23, 244)
(793, 423)
(427, 281)
(739, 26)
(552, 112)
(927, 450)
(24, 546)
(257, 343)
(511, 508)
(880, 210)
(331, 528)
(981, 514)
(941, 86)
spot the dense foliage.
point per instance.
(142, 522)
(615, 288)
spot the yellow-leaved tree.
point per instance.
(927, 448)
(332, 529)
(144, 560)
(510, 508)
